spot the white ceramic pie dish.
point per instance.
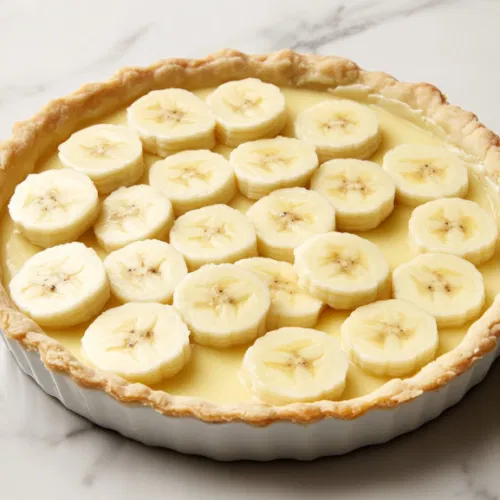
(242, 441)
(412, 402)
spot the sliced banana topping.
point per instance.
(247, 110)
(295, 365)
(456, 226)
(213, 234)
(171, 120)
(226, 278)
(54, 207)
(360, 191)
(291, 305)
(286, 218)
(61, 286)
(342, 269)
(194, 179)
(145, 271)
(142, 342)
(425, 173)
(223, 305)
(111, 155)
(448, 287)
(339, 129)
(391, 337)
(132, 214)
(269, 164)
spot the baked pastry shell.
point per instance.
(37, 137)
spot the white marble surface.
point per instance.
(50, 47)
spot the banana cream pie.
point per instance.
(253, 237)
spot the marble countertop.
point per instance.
(50, 48)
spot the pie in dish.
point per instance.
(253, 238)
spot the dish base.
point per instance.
(240, 441)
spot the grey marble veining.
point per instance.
(50, 48)
(343, 20)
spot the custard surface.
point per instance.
(213, 374)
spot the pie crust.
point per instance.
(36, 137)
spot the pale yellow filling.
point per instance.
(213, 374)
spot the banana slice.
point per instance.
(339, 129)
(194, 179)
(111, 155)
(295, 365)
(213, 234)
(290, 304)
(62, 286)
(446, 286)
(54, 207)
(425, 173)
(247, 110)
(142, 342)
(342, 269)
(360, 191)
(132, 214)
(145, 271)
(456, 226)
(171, 120)
(223, 305)
(390, 338)
(288, 217)
(269, 164)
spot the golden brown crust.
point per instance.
(37, 136)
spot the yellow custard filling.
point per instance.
(213, 374)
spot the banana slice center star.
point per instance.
(102, 148)
(344, 187)
(297, 360)
(142, 270)
(131, 335)
(244, 103)
(421, 171)
(281, 287)
(279, 284)
(435, 282)
(444, 228)
(270, 160)
(186, 174)
(47, 203)
(51, 282)
(389, 334)
(340, 262)
(338, 123)
(209, 233)
(125, 211)
(164, 113)
(224, 301)
(289, 217)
